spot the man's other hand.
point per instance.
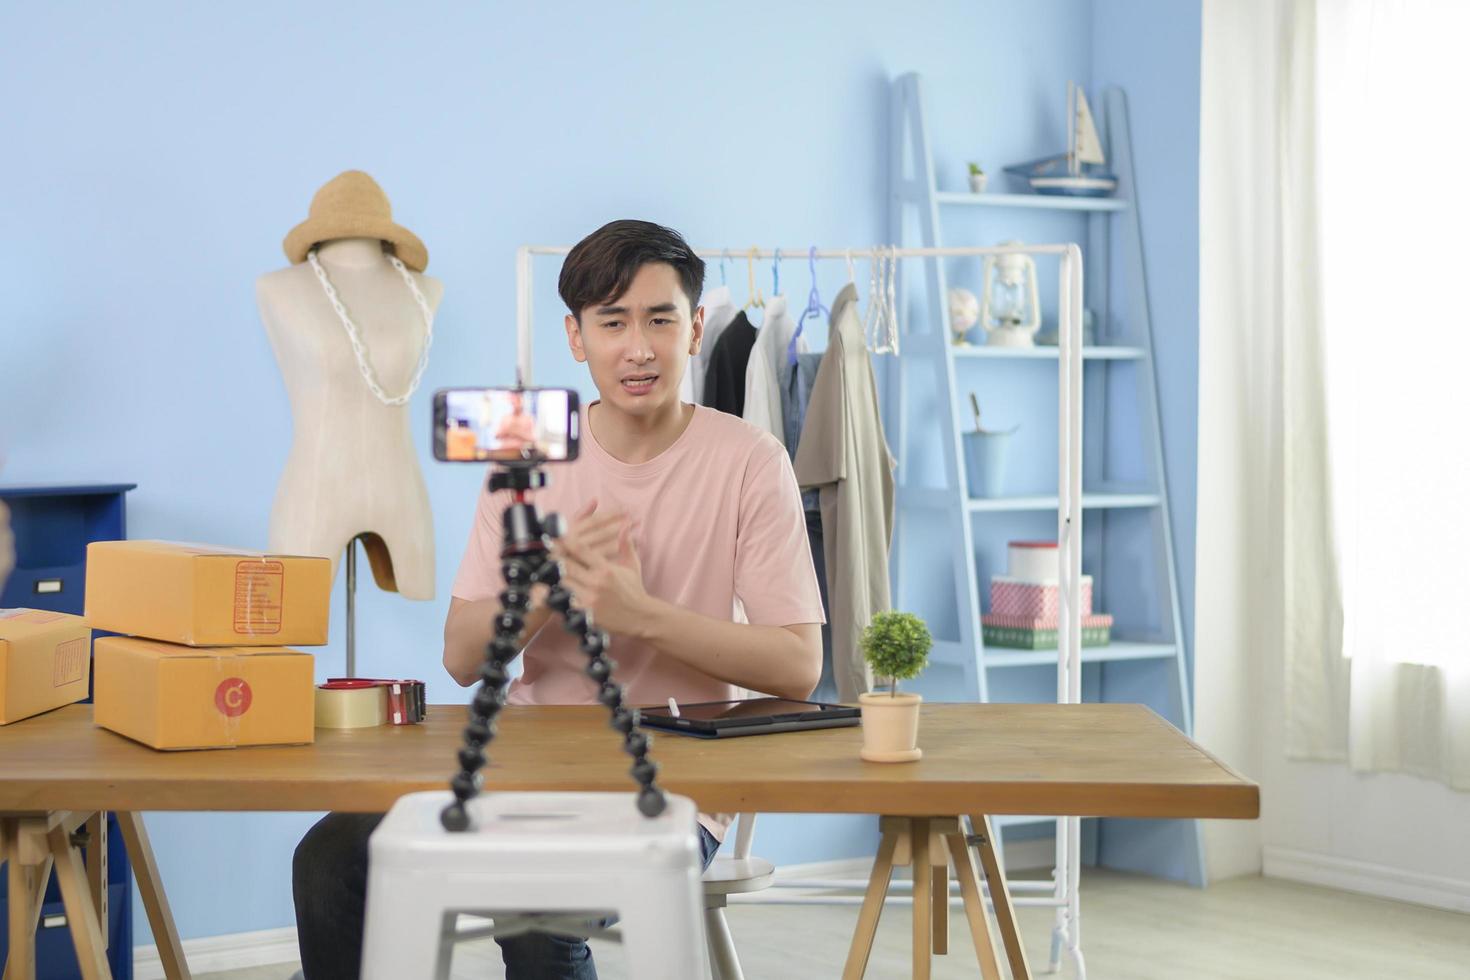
(609, 582)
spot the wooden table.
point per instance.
(1105, 760)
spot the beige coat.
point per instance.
(843, 453)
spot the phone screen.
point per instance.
(505, 425)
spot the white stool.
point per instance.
(551, 861)
(739, 874)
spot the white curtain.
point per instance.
(1333, 377)
(1395, 268)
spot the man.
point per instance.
(514, 431)
(687, 543)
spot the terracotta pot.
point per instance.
(890, 727)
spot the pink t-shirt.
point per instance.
(721, 532)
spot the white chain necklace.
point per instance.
(360, 349)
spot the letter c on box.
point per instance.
(232, 697)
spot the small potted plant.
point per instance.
(896, 645)
(977, 179)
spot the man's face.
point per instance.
(637, 345)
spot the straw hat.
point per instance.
(352, 205)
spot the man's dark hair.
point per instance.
(601, 266)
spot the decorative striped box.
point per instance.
(1033, 633)
(1018, 597)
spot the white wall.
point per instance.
(1383, 833)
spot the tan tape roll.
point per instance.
(360, 707)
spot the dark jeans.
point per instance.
(329, 881)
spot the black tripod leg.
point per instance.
(523, 568)
(490, 698)
(594, 643)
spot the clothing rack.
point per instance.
(525, 271)
(1063, 887)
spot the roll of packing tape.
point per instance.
(351, 704)
(405, 698)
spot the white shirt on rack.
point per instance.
(763, 372)
(719, 311)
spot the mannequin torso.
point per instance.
(352, 469)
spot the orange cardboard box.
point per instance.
(45, 660)
(173, 697)
(202, 596)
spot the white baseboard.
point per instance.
(1369, 879)
(269, 947)
(1023, 855)
(232, 952)
(857, 867)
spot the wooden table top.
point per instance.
(1117, 760)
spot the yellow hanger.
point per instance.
(755, 298)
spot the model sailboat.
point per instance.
(1082, 170)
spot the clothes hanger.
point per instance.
(724, 256)
(851, 275)
(813, 306)
(776, 274)
(755, 298)
(890, 310)
(873, 319)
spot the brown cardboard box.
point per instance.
(173, 697)
(45, 661)
(201, 596)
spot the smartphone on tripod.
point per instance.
(506, 425)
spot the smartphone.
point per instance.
(505, 425)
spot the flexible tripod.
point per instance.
(525, 562)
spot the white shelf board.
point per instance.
(1041, 201)
(1099, 353)
(1090, 501)
(1118, 650)
(1005, 820)
(1002, 821)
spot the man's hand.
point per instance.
(607, 582)
(468, 627)
(589, 533)
(785, 661)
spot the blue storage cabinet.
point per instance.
(52, 526)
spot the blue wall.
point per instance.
(162, 151)
(1151, 49)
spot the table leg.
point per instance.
(1000, 897)
(923, 896)
(81, 914)
(155, 902)
(941, 904)
(964, 865)
(97, 868)
(21, 963)
(38, 895)
(867, 927)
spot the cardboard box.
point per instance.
(1017, 597)
(175, 697)
(200, 595)
(45, 661)
(1030, 633)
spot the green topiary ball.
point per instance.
(896, 645)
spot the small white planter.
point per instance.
(977, 183)
(890, 727)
